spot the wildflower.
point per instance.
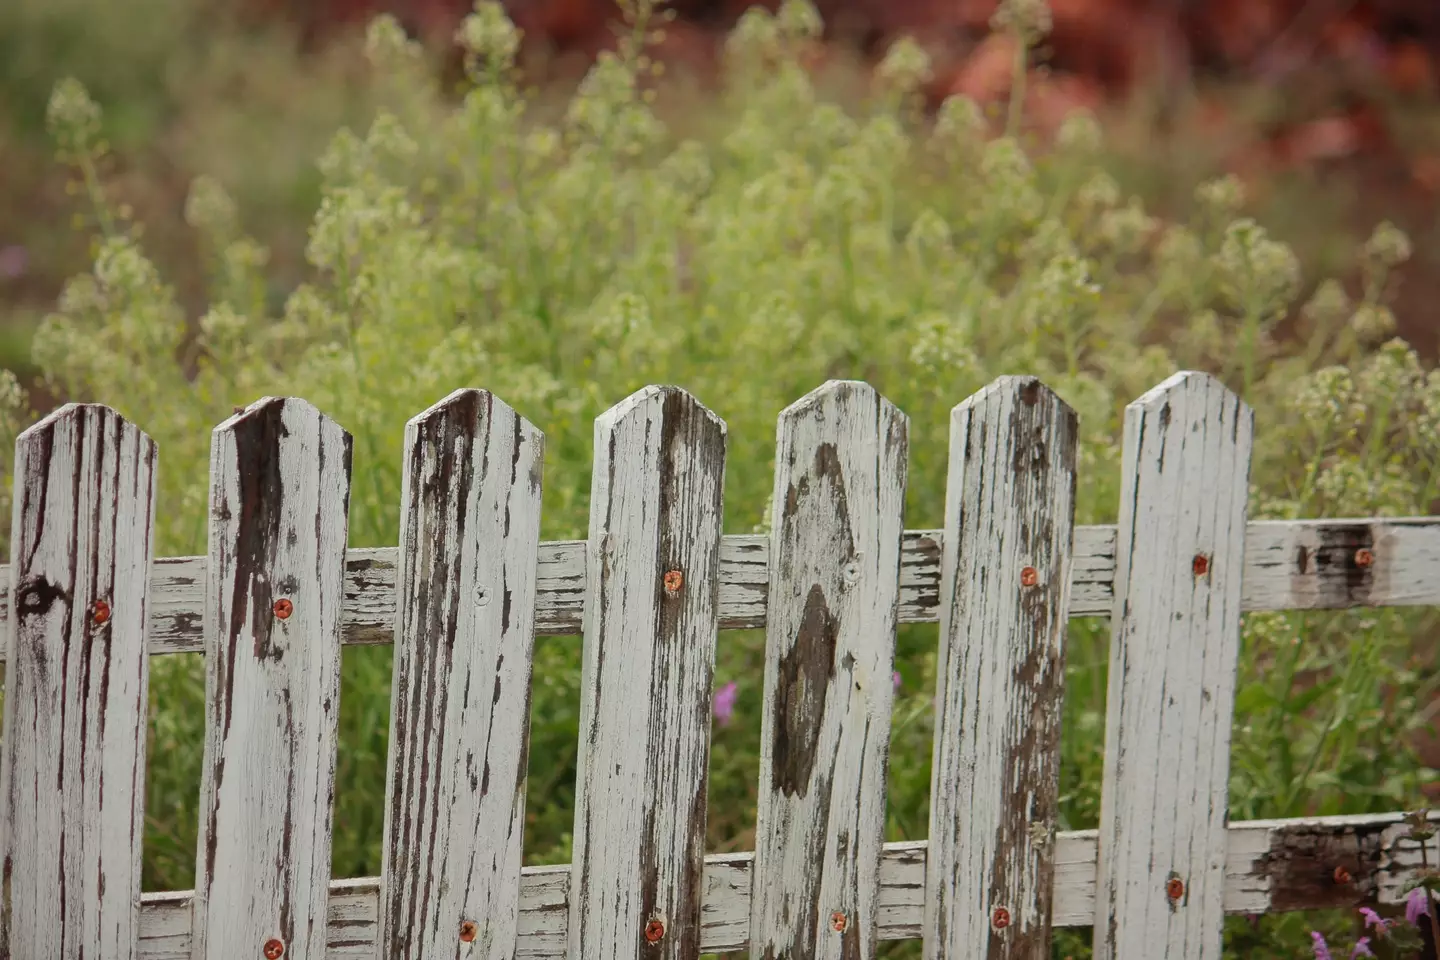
(71, 116)
(488, 34)
(1388, 246)
(906, 66)
(1417, 905)
(725, 703)
(896, 677)
(1373, 323)
(1027, 19)
(1224, 195)
(1328, 305)
(1374, 921)
(1079, 132)
(1362, 949)
(1322, 949)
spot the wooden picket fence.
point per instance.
(471, 585)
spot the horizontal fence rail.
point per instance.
(470, 586)
(1289, 565)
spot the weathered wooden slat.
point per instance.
(841, 459)
(1176, 639)
(460, 697)
(279, 507)
(1290, 565)
(1270, 866)
(1005, 586)
(72, 761)
(648, 666)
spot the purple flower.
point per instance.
(725, 702)
(896, 678)
(1322, 949)
(1362, 949)
(1417, 905)
(1372, 919)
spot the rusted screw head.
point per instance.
(100, 612)
(1028, 576)
(467, 931)
(838, 921)
(1174, 888)
(1363, 557)
(1000, 919)
(283, 608)
(1342, 876)
(1201, 565)
(654, 930)
(674, 580)
(274, 949)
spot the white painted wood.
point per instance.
(841, 460)
(72, 761)
(1005, 591)
(1405, 573)
(1260, 870)
(1176, 638)
(460, 694)
(279, 501)
(648, 664)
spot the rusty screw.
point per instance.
(274, 949)
(654, 930)
(1028, 576)
(1000, 919)
(100, 612)
(1364, 557)
(838, 921)
(467, 931)
(1201, 565)
(1342, 876)
(1175, 888)
(674, 580)
(283, 608)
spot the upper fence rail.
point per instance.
(1289, 565)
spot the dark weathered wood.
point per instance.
(841, 461)
(655, 512)
(1005, 586)
(279, 502)
(72, 761)
(1173, 658)
(460, 708)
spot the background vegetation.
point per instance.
(565, 253)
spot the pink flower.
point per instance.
(1417, 905)
(725, 702)
(896, 678)
(1322, 949)
(1362, 949)
(1374, 920)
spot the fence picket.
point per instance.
(72, 760)
(279, 516)
(460, 708)
(1176, 637)
(648, 664)
(1005, 592)
(839, 497)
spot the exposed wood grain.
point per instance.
(460, 697)
(72, 761)
(1176, 638)
(279, 502)
(1278, 576)
(648, 665)
(841, 459)
(1005, 586)
(1261, 872)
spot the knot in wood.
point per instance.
(468, 931)
(1342, 876)
(674, 580)
(654, 931)
(100, 612)
(1364, 557)
(838, 921)
(1201, 565)
(283, 608)
(1175, 888)
(1000, 919)
(1029, 577)
(274, 949)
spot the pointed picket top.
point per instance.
(1175, 644)
(1004, 595)
(72, 760)
(652, 588)
(834, 586)
(279, 519)
(460, 698)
